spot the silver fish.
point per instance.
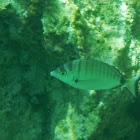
(91, 74)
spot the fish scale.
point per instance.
(93, 70)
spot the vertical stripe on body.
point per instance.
(80, 72)
(62, 68)
(76, 68)
(88, 68)
(69, 65)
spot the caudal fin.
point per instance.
(132, 84)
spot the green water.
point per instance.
(38, 36)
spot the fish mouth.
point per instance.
(51, 73)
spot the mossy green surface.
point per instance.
(38, 36)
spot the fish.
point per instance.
(92, 74)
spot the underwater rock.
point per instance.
(38, 36)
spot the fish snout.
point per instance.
(52, 73)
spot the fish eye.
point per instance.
(63, 73)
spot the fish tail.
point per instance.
(132, 84)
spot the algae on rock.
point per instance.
(101, 30)
(36, 37)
